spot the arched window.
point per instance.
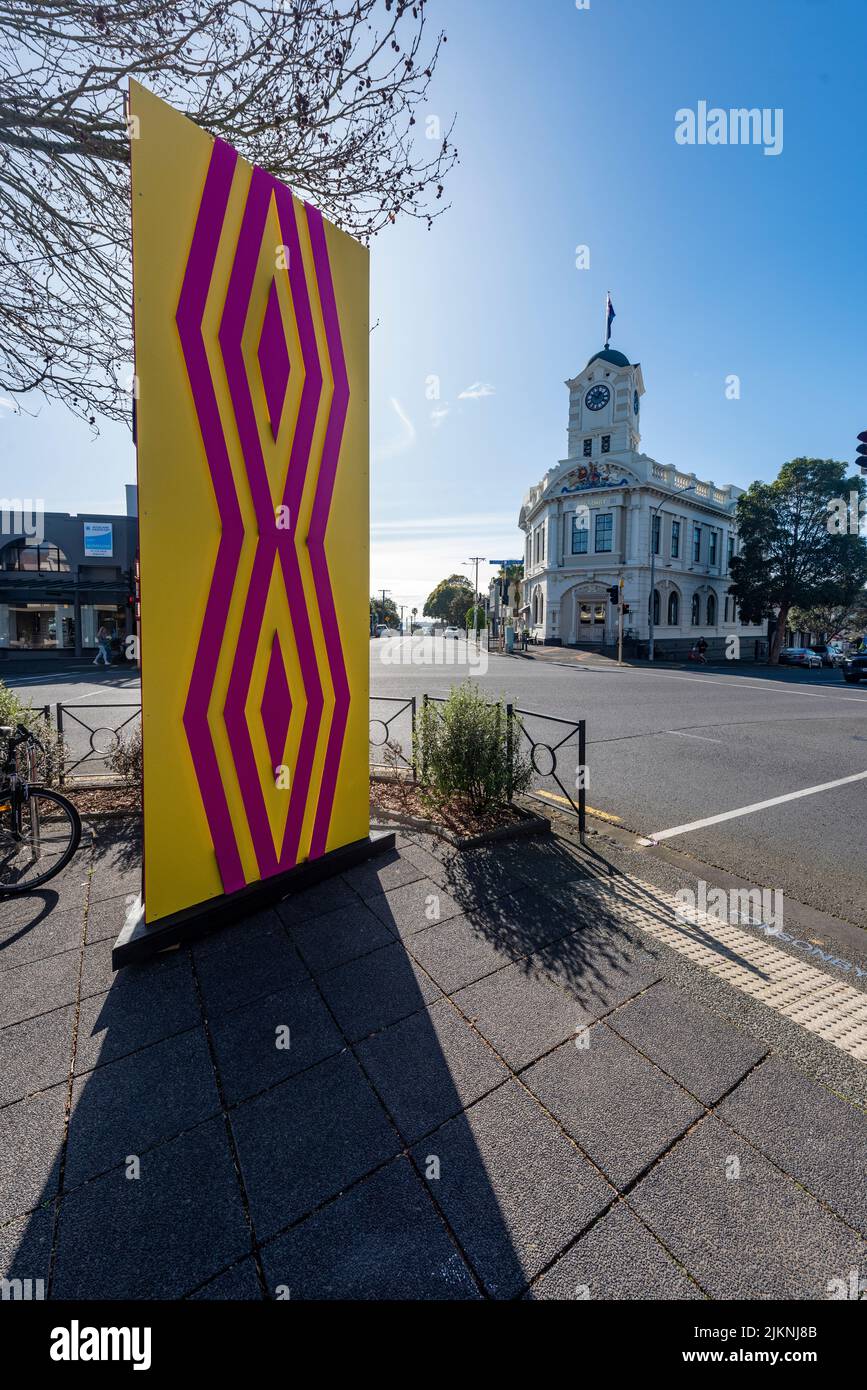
(535, 605)
(654, 608)
(673, 608)
(711, 610)
(34, 559)
(541, 607)
(696, 610)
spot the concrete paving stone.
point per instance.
(97, 973)
(429, 1067)
(457, 953)
(117, 857)
(25, 1253)
(249, 1059)
(35, 1054)
(38, 987)
(618, 1258)
(522, 1015)
(409, 909)
(307, 1139)
(105, 918)
(386, 871)
(323, 897)
(688, 1041)
(513, 1189)
(132, 1104)
(156, 1004)
(39, 936)
(252, 957)
(338, 936)
(817, 1138)
(615, 1104)
(526, 920)
(383, 1240)
(240, 1284)
(598, 968)
(544, 862)
(478, 877)
(31, 1140)
(432, 862)
(376, 990)
(756, 1236)
(160, 1234)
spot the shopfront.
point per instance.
(57, 593)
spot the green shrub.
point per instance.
(13, 711)
(465, 751)
(126, 761)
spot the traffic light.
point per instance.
(614, 593)
(626, 607)
(862, 450)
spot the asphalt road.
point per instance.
(666, 748)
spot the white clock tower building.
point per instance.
(608, 511)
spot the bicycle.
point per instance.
(39, 829)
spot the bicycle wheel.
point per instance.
(49, 835)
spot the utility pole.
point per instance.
(402, 606)
(476, 560)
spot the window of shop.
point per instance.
(37, 626)
(675, 540)
(24, 557)
(580, 535)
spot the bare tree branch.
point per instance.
(321, 93)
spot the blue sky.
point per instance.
(720, 260)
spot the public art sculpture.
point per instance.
(251, 371)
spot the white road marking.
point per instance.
(748, 810)
(681, 733)
(734, 682)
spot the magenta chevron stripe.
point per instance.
(318, 526)
(299, 465)
(190, 311)
(230, 335)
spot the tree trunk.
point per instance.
(778, 637)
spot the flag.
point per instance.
(609, 316)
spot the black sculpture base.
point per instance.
(138, 940)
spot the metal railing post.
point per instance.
(510, 741)
(412, 742)
(58, 713)
(582, 792)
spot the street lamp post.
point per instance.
(654, 512)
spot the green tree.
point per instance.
(475, 618)
(833, 619)
(449, 599)
(799, 543)
(383, 612)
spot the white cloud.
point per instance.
(6, 404)
(439, 414)
(403, 441)
(476, 391)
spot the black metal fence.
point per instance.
(557, 750)
(89, 735)
(556, 747)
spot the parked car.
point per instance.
(831, 655)
(800, 656)
(855, 668)
(452, 632)
(383, 630)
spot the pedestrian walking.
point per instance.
(103, 642)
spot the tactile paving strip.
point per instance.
(818, 1002)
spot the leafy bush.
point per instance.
(126, 761)
(465, 751)
(13, 711)
(475, 618)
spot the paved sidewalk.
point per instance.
(437, 1076)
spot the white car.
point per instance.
(452, 632)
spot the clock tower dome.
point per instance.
(604, 404)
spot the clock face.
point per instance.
(635, 402)
(597, 397)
